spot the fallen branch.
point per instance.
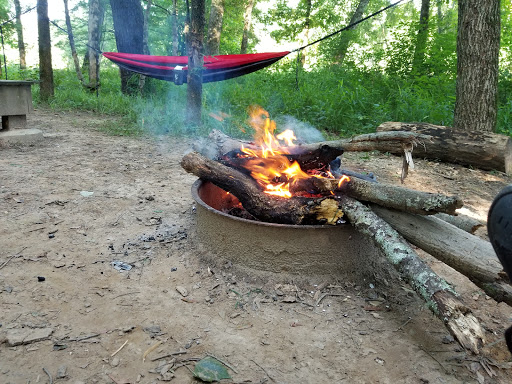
(436, 292)
(466, 253)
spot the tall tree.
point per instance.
(195, 62)
(307, 26)
(215, 27)
(478, 46)
(247, 25)
(129, 30)
(46, 85)
(421, 39)
(175, 37)
(19, 32)
(72, 44)
(347, 38)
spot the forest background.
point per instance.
(398, 66)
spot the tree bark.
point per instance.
(215, 27)
(307, 26)
(19, 32)
(484, 150)
(467, 254)
(247, 26)
(466, 223)
(421, 39)
(145, 42)
(46, 85)
(195, 63)
(175, 38)
(346, 39)
(71, 38)
(478, 46)
(436, 292)
(129, 30)
(95, 24)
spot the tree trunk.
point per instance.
(96, 16)
(247, 26)
(175, 38)
(195, 63)
(19, 32)
(436, 292)
(46, 86)
(421, 39)
(478, 46)
(129, 30)
(484, 150)
(346, 39)
(467, 254)
(145, 43)
(215, 27)
(72, 44)
(307, 26)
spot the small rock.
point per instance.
(62, 372)
(380, 361)
(167, 376)
(448, 339)
(26, 336)
(182, 290)
(41, 278)
(115, 362)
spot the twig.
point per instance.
(150, 349)
(169, 355)
(124, 294)
(121, 347)
(12, 257)
(111, 378)
(264, 370)
(49, 375)
(404, 324)
(327, 294)
(222, 361)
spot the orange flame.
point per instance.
(268, 164)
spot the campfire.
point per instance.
(276, 180)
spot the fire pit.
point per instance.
(297, 249)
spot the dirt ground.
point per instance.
(81, 199)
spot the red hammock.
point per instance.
(174, 68)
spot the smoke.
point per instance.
(304, 132)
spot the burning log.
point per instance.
(466, 253)
(436, 292)
(219, 144)
(273, 209)
(484, 150)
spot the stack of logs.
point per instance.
(389, 214)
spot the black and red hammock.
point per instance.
(175, 69)
(216, 68)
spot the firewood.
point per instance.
(484, 150)
(392, 196)
(436, 292)
(466, 253)
(273, 209)
(218, 143)
(466, 223)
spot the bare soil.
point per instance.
(81, 199)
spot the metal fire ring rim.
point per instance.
(195, 195)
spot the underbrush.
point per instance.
(337, 101)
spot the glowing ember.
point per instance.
(268, 164)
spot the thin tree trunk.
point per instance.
(215, 27)
(478, 45)
(96, 17)
(175, 38)
(72, 44)
(195, 62)
(421, 39)
(307, 25)
(346, 39)
(19, 32)
(145, 46)
(247, 25)
(46, 86)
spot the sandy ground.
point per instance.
(81, 199)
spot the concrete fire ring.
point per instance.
(280, 248)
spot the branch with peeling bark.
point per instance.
(438, 294)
